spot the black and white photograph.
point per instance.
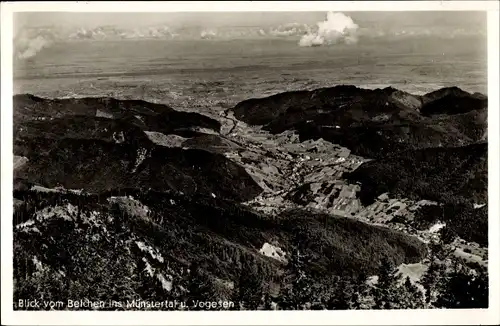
(243, 160)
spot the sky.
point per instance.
(469, 20)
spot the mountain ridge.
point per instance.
(186, 205)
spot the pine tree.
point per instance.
(250, 290)
(386, 287)
(267, 302)
(198, 287)
(412, 297)
(296, 293)
(430, 279)
(340, 298)
(302, 283)
(362, 290)
(149, 287)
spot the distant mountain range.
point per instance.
(438, 138)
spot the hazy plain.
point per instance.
(211, 63)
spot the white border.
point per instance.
(494, 161)
(401, 317)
